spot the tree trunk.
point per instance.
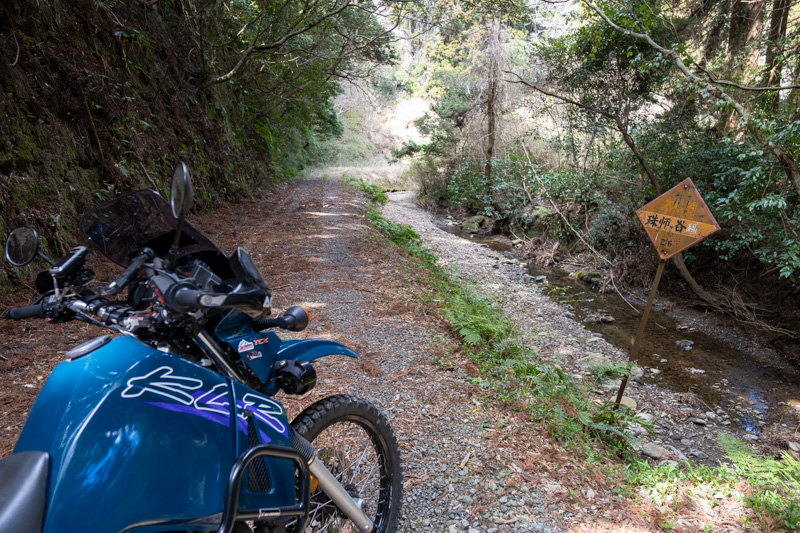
(746, 24)
(794, 96)
(490, 119)
(704, 295)
(779, 19)
(716, 24)
(494, 52)
(623, 129)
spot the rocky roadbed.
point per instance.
(468, 466)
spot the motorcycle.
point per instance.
(172, 424)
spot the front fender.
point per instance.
(310, 349)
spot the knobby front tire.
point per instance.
(354, 440)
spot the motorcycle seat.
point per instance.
(23, 484)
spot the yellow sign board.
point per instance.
(677, 220)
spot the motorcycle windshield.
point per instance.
(121, 227)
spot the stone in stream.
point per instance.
(475, 224)
(679, 454)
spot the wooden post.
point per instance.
(640, 332)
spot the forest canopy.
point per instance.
(604, 105)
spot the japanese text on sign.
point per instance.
(677, 220)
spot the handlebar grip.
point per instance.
(116, 286)
(266, 323)
(187, 298)
(29, 311)
(294, 319)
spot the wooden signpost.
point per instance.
(675, 221)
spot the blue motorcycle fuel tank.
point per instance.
(143, 440)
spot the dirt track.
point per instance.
(468, 466)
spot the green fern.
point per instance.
(760, 470)
(777, 482)
(470, 336)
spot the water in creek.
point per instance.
(751, 392)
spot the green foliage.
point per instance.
(777, 483)
(742, 185)
(374, 193)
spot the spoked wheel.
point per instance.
(355, 442)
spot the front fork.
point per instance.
(329, 484)
(340, 497)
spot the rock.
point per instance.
(795, 447)
(594, 359)
(540, 279)
(685, 344)
(677, 453)
(500, 240)
(653, 450)
(605, 319)
(647, 418)
(589, 277)
(698, 421)
(669, 462)
(711, 415)
(682, 327)
(568, 314)
(475, 224)
(630, 403)
(655, 371)
(693, 370)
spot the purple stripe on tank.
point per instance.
(191, 410)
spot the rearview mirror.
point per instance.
(181, 193)
(22, 245)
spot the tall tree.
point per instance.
(744, 36)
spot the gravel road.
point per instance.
(457, 478)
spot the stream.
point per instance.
(752, 391)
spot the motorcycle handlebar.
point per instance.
(29, 311)
(116, 286)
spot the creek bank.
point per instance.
(685, 422)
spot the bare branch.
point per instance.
(274, 45)
(745, 87)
